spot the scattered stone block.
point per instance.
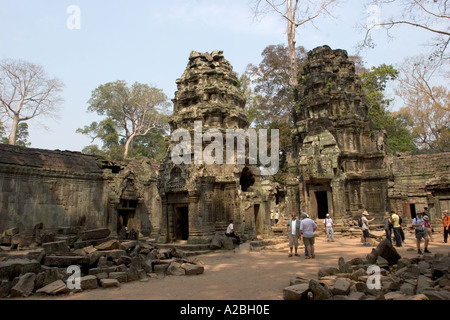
(119, 276)
(192, 269)
(95, 234)
(109, 283)
(296, 292)
(12, 268)
(108, 245)
(89, 282)
(341, 287)
(56, 247)
(319, 291)
(54, 288)
(24, 286)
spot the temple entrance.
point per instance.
(181, 223)
(322, 204)
(412, 209)
(126, 213)
(258, 223)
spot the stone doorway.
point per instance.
(181, 223)
(322, 204)
(126, 213)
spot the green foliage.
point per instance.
(374, 83)
(134, 124)
(22, 135)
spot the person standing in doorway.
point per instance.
(293, 228)
(328, 225)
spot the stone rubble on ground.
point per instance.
(426, 277)
(38, 264)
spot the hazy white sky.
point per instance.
(150, 41)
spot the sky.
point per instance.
(86, 43)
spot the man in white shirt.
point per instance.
(307, 228)
(231, 233)
(293, 228)
(328, 224)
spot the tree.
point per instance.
(26, 92)
(131, 112)
(426, 105)
(272, 96)
(296, 13)
(430, 15)
(396, 126)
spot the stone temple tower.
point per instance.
(340, 161)
(198, 196)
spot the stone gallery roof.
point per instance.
(68, 161)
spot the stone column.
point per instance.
(196, 235)
(164, 220)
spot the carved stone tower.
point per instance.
(340, 161)
(198, 196)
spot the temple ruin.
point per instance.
(337, 166)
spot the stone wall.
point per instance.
(67, 189)
(419, 181)
(53, 187)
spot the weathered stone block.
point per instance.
(109, 283)
(54, 288)
(12, 268)
(296, 292)
(25, 286)
(88, 282)
(342, 286)
(108, 245)
(56, 247)
(175, 269)
(65, 261)
(119, 276)
(95, 234)
(192, 269)
(319, 291)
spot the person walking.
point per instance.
(446, 223)
(365, 227)
(388, 226)
(293, 228)
(328, 225)
(396, 227)
(271, 218)
(307, 229)
(418, 225)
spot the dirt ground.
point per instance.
(245, 275)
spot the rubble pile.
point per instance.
(72, 260)
(382, 275)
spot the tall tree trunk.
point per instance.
(291, 43)
(15, 127)
(127, 145)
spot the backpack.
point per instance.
(360, 224)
